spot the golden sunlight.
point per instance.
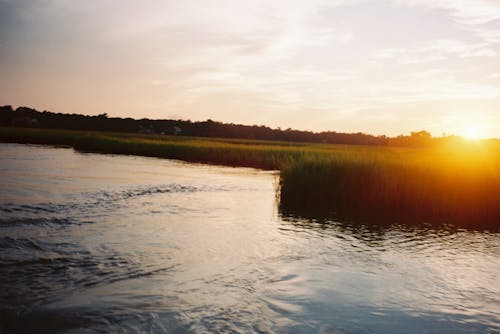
(472, 132)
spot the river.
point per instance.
(94, 243)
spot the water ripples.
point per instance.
(138, 245)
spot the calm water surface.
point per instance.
(101, 243)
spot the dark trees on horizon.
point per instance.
(28, 117)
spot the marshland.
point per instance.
(456, 182)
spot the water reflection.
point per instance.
(130, 244)
(421, 272)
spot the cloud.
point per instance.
(481, 17)
(438, 90)
(315, 63)
(436, 50)
(464, 11)
(493, 76)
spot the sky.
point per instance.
(374, 66)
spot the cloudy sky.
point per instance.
(376, 66)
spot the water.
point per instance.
(99, 243)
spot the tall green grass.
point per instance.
(424, 186)
(458, 184)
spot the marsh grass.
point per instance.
(449, 187)
(457, 184)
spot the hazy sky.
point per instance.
(380, 66)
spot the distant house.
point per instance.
(175, 130)
(146, 129)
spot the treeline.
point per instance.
(28, 117)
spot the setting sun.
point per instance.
(472, 132)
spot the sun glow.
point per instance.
(472, 132)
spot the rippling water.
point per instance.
(101, 243)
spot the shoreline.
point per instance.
(459, 186)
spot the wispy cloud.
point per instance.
(435, 51)
(464, 11)
(317, 64)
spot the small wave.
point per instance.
(36, 272)
(143, 191)
(42, 222)
(27, 208)
(115, 274)
(60, 213)
(22, 249)
(19, 243)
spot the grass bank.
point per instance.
(457, 184)
(460, 187)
